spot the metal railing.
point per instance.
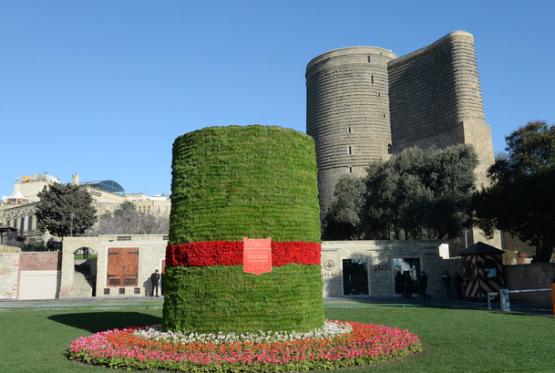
(504, 295)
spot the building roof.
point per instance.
(480, 248)
(106, 185)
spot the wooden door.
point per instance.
(123, 267)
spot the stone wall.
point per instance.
(424, 93)
(531, 276)
(151, 254)
(435, 99)
(348, 113)
(152, 250)
(41, 261)
(379, 257)
(9, 271)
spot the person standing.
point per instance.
(458, 284)
(422, 286)
(399, 282)
(406, 285)
(446, 280)
(154, 281)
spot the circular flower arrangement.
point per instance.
(337, 344)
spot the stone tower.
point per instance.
(364, 102)
(435, 99)
(348, 113)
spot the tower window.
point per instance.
(383, 115)
(379, 94)
(350, 131)
(350, 151)
(389, 149)
(350, 169)
(372, 78)
(369, 59)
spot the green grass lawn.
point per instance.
(454, 340)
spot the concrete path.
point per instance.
(104, 302)
(343, 302)
(439, 303)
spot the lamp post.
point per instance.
(71, 217)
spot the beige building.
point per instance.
(18, 209)
(121, 265)
(372, 267)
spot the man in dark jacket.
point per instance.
(422, 286)
(154, 281)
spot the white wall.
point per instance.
(39, 284)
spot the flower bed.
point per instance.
(337, 344)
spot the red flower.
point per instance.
(230, 253)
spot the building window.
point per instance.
(355, 276)
(379, 94)
(389, 149)
(350, 131)
(350, 151)
(30, 223)
(369, 59)
(350, 169)
(372, 78)
(21, 225)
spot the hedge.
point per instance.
(255, 181)
(234, 182)
(224, 298)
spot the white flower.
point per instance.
(329, 330)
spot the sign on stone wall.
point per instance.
(257, 255)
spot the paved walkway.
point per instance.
(344, 302)
(104, 302)
(516, 307)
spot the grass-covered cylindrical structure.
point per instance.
(230, 183)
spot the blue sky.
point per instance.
(102, 88)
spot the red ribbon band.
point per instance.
(230, 253)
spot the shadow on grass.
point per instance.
(99, 321)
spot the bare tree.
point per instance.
(127, 219)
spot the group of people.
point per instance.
(453, 285)
(405, 285)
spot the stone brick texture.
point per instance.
(348, 112)
(41, 261)
(9, 271)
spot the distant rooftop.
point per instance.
(107, 185)
(37, 177)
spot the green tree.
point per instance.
(65, 209)
(417, 194)
(521, 198)
(342, 222)
(420, 194)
